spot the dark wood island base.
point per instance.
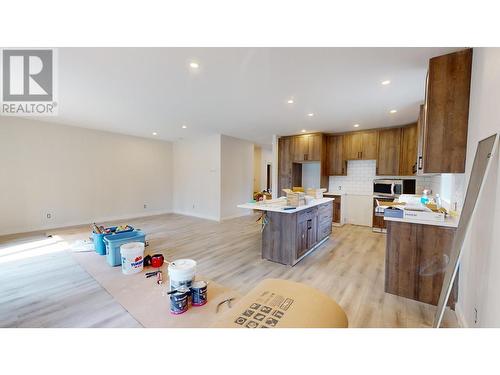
(289, 237)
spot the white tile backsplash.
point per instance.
(360, 176)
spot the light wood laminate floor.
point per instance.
(53, 290)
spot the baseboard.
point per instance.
(244, 213)
(460, 317)
(199, 216)
(76, 223)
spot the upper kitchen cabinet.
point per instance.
(361, 145)
(444, 122)
(307, 147)
(389, 152)
(409, 140)
(336, 164)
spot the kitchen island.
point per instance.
(290, 234)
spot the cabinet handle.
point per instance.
(361, 154)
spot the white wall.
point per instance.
(479, 279)
(78, 175)
(197, 177)
(237, 164)
(311, 175)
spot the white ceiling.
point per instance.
(241, 92)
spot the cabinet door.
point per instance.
(336, 210)
(447, 112)
(301, 239)
(408, 163)
(335, 156)
(312, 232)
(389, 152)
(300, 148)
(353, 143)
(369, 145)
(284, 164)
(315, 143)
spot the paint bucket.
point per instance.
(199, 293)
(181, 272)
(132, 254)
(179, 301)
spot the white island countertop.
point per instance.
(280, 206)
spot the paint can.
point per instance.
(179, 301)
(181, 273)
(199, 293)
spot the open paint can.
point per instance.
(179, 301)
(199, 293)
(181, 273)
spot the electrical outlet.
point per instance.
(340, 187)
(48, 215)
(145, 206)
(193, 205)
(475, 316)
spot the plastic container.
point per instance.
(99, 245)
(181, 273)
(113, 243)
(132, 257)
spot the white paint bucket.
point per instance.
(181, 273)
(132, 254)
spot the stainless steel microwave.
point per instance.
(393, 187)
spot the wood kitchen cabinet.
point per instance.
(361, 145)
(378, 222)
(416, 259)
(337, 204)
(307, 147)
(444, 121)
(336, 164)
(284, 164)
(409, 140)
(389, 152)
(307, 230)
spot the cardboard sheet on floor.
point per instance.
(275, 303)
(145, 300)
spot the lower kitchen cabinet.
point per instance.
(416, 259)
(378, 222)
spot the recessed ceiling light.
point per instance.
(184, 127)
(303, 130)
(310, 114)
(392, 111)
(386, 82)
(194, 65)
(356, 125)
(290, 101)
(155, 133)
